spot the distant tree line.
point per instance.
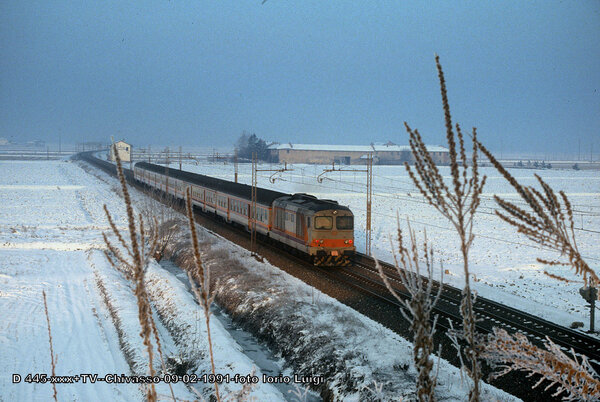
(250, 143)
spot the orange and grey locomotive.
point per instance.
(323, 229)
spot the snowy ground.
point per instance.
(51, 224)
(503, 263)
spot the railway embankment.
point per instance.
(325, 345)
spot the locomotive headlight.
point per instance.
(346, 241)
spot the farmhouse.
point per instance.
(124, 150)
(383, 154)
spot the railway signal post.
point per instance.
(369, 171)
(590, 294)
(235, 165)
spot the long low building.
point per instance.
(383, 154)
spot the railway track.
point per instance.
(493, 314)
(489, 313)
(364, 277)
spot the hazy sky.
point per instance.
(526, 73)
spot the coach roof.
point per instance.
(263, 196)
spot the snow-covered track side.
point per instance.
(494, 314)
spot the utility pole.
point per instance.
(180, 157)
(369, 199)
(369, 171)
(253, 206)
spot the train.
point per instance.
(322, 230)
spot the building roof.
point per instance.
(352, 148)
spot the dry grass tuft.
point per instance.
(516, 353)
(458, 202)
(549, 222)
(128, 351)
(52, 359)
(420, 306)
(203, 278)
(139, 249)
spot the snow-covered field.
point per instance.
(503, 262)
(51, 223)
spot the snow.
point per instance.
(42, 229)
(51, 223)
(502, 262)
(320, 335)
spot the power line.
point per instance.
(410, 199)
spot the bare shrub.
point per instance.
(164, 216)
(516, 353)
(52, 359)
(458, 203)
(203, 294)
(420, 306)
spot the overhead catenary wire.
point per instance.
(433, 225)
(409, 198)
(411, 195)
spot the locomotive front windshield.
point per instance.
(344, 222)
(323, 223)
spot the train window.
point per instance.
(308, 223)
(344, 222)
(323, 222)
